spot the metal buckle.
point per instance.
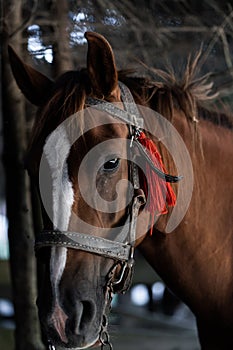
(124, 281)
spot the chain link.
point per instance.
(104, 336)
(105, 341)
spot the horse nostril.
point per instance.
(88, 311)
(85, 313)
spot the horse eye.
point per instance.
(111, 165)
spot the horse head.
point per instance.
(86, 248)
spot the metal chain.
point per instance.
(104, 336)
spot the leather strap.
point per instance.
(161, 174)
(129, 116)
(118, 250)
(91, 244)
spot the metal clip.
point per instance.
(137, 132)
(124, 281)
(51, 346)
(131, 141)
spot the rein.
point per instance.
(122, 249)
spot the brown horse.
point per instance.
(195, 260)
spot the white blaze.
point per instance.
(56, 151)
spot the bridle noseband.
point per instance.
(122, 248)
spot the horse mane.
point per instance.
(167, 91)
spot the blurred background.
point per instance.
(49, 35)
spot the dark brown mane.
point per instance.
(193, 95)
(67, 97)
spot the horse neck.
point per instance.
(200, 248)
(210, 148)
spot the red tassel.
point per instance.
(158, 191)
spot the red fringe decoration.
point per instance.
(158, 192)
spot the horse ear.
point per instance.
(101, 64)
(33, 84)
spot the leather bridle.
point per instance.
(122, 248)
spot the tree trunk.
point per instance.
(62, 60)
(21, 237)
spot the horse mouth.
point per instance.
(93, 345)
(96, 345)
(54, 346)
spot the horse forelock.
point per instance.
(66, 98)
